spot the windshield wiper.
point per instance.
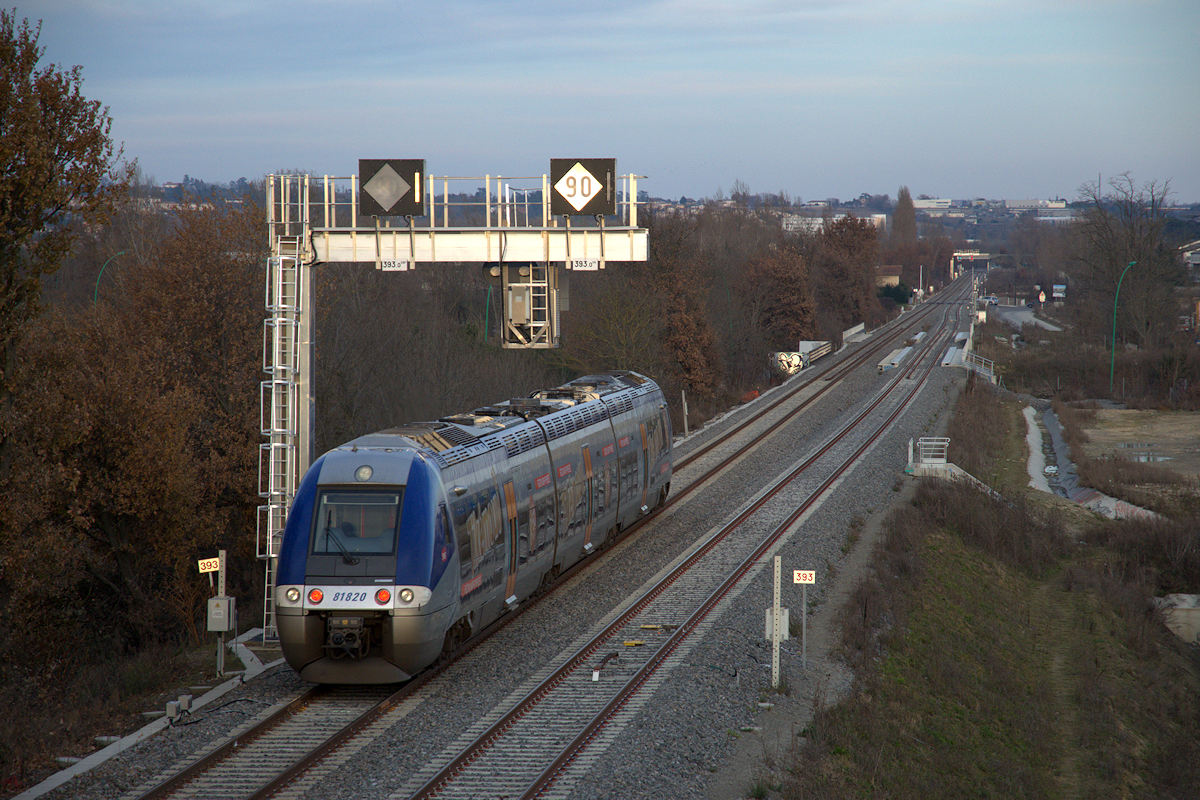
(332, 535)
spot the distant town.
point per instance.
(982, 222)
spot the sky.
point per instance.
(1007, 99)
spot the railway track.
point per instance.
(539, 739)
(265, 761)
(830, 376)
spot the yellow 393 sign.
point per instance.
(210, 565)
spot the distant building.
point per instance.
(802, 223)
(1190, 253)
(797, 223)
(1034, 205)
(1055, 215)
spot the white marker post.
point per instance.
(804, 577)
(776, 624)
(221, 593)
(211, 565)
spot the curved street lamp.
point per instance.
(1113, 361)
(96, 294)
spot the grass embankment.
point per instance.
(999, 655)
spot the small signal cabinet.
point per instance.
(222, 611)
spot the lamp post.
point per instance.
(96, 294)
(1113, 361)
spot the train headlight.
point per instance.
(292, 594)
(406, 595)
(363, 473)
(383, 597)
(315, 596)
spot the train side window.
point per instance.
(465, 525)
(443, 544)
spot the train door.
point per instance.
(589, 490)
(510, 507)
(645, 465)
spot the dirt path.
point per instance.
(1051, 618)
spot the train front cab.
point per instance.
(367, 575)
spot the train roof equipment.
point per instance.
(561, 410)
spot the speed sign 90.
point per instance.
(583, 186)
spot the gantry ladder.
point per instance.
(279, 406)
(540, 307)
(534, 293)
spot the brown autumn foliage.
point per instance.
(720, 290)
(843, 257)
(134, 440)
(615, 322)
(689, 339)
(59, 170)
(397, 347)
(776, 286)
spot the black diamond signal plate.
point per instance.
(390, 187)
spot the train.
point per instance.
(402, 544)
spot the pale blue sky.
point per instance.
(818, 98)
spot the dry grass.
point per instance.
(104, 698)
(1169, 488)
(987, 436)
(998, 656)
(1062, 365)
(1126, 432)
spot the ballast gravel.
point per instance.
(696, 734)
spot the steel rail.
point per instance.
(622, 697)
(842, 369)
(213, 760)
(175, 782)
(833, 373)
(521, 708)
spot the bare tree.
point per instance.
(1122, 227)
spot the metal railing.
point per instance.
(933, 450)
(452, 201)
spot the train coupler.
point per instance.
(347, 637)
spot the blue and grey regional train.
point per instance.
(402, 544)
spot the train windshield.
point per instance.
(354, 522)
